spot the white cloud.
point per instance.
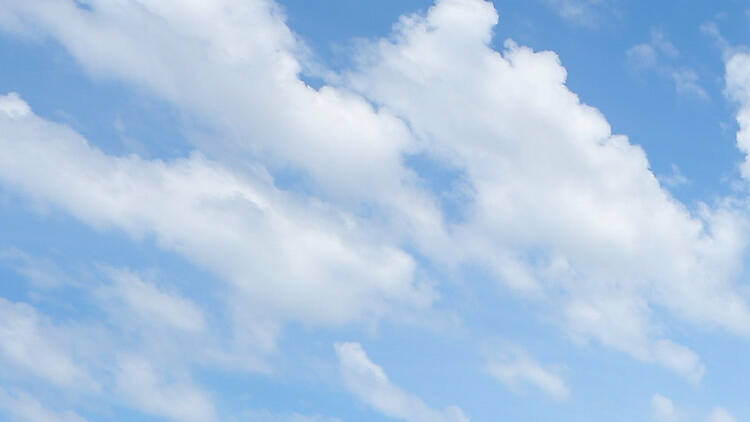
(561, 207)
(686, 83)
(242, 83)
(277, 250)
(554, 188)
(117, 363)
(737, 80)
(675, 178)
(369, 383)
(515, 368)
(582, 12)
(148, 302)
(22, 407)
(662, 408)
(660, 41)
(268, 416)
(32, 343)
(719, 414)
(42, 273)
(140, 384)
(659, 55)
(679, 359)
(642, 56)
(13, 106)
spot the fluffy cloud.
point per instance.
(738, 89)
(278, 251)
(559, 208)
(370, 384)
(242, 84)
(575, 206)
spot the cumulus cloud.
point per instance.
(737, 79)
(560, 208)
(369, 383)
(549, 175)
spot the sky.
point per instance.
(403, 210)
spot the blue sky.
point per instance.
(290, 211)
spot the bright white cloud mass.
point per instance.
(386, 196)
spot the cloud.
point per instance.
(13, 106)
(712, 30)
(277, 250)
(139, 383)
(647, 55)
(675, 178)
(659, 41)
(719, 414)
(243, 85)
(662, 408)
(147, 302)
(33, 344)
(686, 83)
(22, 407)
(115, 363)
(737, 80)
(42, 273)
(560, 208)
(642, 56)
(267, 416)
(369, 383)
(582, 12)
(554, 190)
(659, 55)
(515, 368)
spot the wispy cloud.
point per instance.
(515, 368)
(661, 55)
(369, 383)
